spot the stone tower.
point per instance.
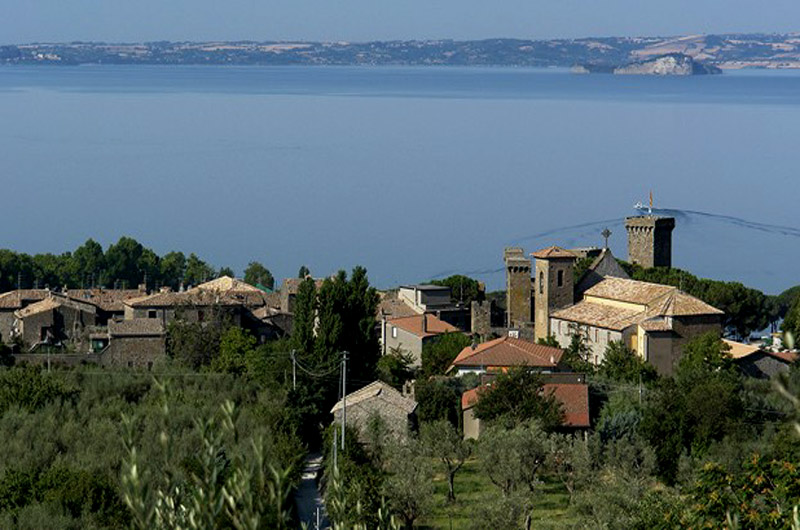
(518, 287)
(554, 284)
(650, 240)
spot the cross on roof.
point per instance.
(606, 234)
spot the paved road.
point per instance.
(308, 497)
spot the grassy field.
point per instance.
(474, 488)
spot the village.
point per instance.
(547, 305)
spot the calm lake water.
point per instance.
(412, 172)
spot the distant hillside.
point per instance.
(723, 51)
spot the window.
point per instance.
(561, 278)
(201, 316)
(541, 283)
(394, 332)
(130, 364)
(608, 336)
(152, 313)
(149, 365)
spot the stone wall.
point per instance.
(554, 285)
(135, 352)
(481, 318)
(397, 422)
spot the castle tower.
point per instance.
(554, 284)
(650, 240)
(518, 287)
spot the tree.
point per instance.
(303, 272)
(578, 354)
(443, 442)
(516, 397)
(173, 269)
(791, 324)
(706, 353)
(394, 368)
(226, 271)
(409, 481)
(462, 288)
(197, 271)
(85, 264)
(305, 313)
(256, 274)
(439, 354)
(439, 399)
(568, 459)
(549, 341)
(621, 364)
(235, 346)
(122, 263)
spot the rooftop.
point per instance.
(413, 324)
(377, 390)
(632, 291)
(599, 315)
(574, 399)
(137, 327)
(507, 351)
(553, 253)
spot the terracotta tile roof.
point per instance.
(226, 283)
(599, 315)
(392, 307)
(678, 304)
(378, 390)
(413, 324)
(201, 297)
(574, 399)
(110, 300)
(54, 301)
(739, 351)
(17, 299)
(631, 291)
(553, 253)
(48, 304)
(137, 327)
(507, 351)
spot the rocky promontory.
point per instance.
(669, 64)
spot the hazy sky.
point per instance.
(129, 20)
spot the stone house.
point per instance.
(655, 321)
(13, 301)
(139, 343)
(411, 333)
(56, 321)
(758, 362)
(506, 352)
(110, 303)
(380, 400)
(570, 390)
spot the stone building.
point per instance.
(758, 362)
(56, 321)
(554, 285)
(139, 343)
(518, 288)
(411, 333)
(655, 321)
(13, 301)
(378, 400)
(650, 240)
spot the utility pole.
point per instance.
(294, 371)
(344, 395)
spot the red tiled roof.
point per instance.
(574, 399)
(507, 351)
(553, 253)
(413, 324)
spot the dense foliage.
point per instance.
(124, 264)
(439, 354)
(463, 289)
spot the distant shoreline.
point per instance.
(727, 52)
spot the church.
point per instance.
(545, 299)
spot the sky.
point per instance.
(360, 20)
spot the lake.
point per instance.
(413, 172)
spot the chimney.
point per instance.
(143, 288)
